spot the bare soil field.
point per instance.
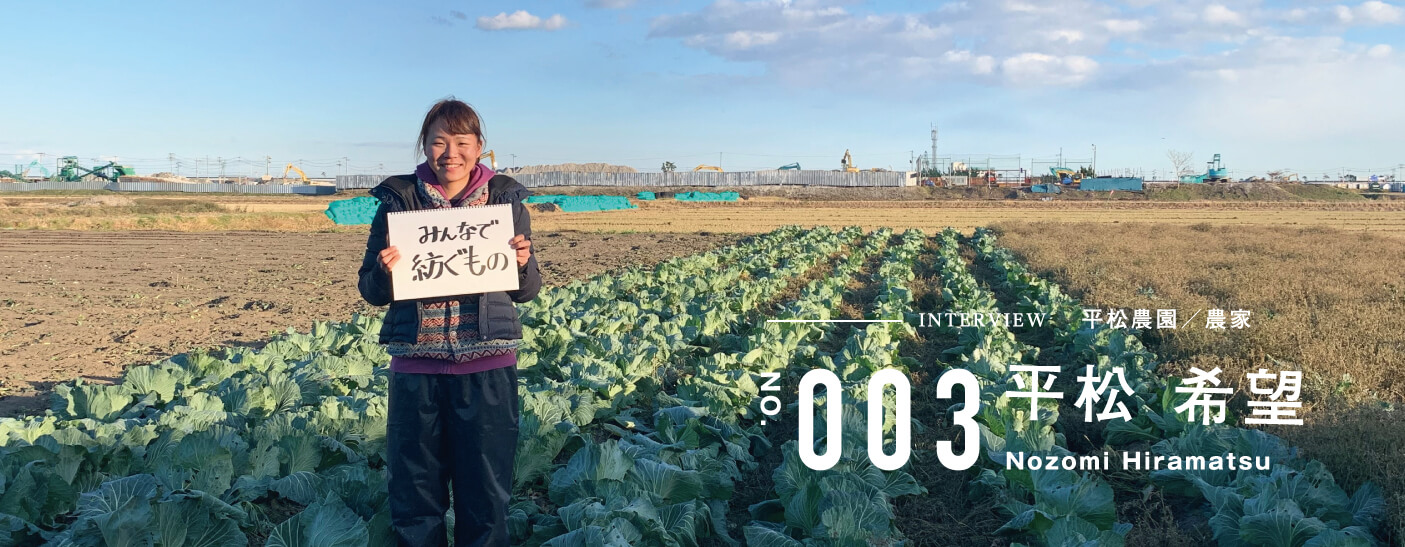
(90, 304)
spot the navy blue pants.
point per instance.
(459, 430)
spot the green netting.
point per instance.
(353, 211)
(645, 195)
(1106, 184)
(707, 196)
(582, 204)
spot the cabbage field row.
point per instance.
(640, 417)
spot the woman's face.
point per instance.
(452, 156)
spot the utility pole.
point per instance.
(346, 162)
(266, 162)
(1095, 160)
(719, 160)
(172, 158)
(514, 160)
(221, 160)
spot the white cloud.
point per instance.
(1123, 26)
(611, 4)
(1282, 105)
(1084, 43)
(1020, 7)
(1344, 14)
(1379, 12)
(521, 20)
(1218, 14)
(1372, 12)
(1042, 69)
(555, 22)
(747, 39)
(1066, 35)
(974, 64)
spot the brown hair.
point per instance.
(459, 119)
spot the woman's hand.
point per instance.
(523, 247)
(389, 256)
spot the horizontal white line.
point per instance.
(834, 320)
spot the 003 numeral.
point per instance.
(902, 434)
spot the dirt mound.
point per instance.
(104, 201)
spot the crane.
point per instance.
(848, 163)
(290, 167)
(491, 157)
(708, 168)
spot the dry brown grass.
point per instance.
(1324, 301)
(108, 212)
(765, 214)
(755, 215)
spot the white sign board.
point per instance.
(447, 252)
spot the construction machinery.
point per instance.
(1065, 175)
(21, 173)
(708, 168)
(789, 167)
(1214, 172)
(294, 169)
(493, 158)
(70, 171)
(847, 162)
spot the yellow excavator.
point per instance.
(290, 167)
(708, 168)
(1065, 175)
(848, 163)
(491, 157)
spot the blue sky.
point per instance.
(1309, 86)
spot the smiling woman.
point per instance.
(452, 409)
(451, 138)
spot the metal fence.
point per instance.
(350, 182)
(303, 189)
(50, 185)
(722, 179)
(694, 178)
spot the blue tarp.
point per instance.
(707, 196)
(353, 211)
(645, 196)
(1046, 189)
(1112, 183)
(582, 204)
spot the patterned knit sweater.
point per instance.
(448, 340)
